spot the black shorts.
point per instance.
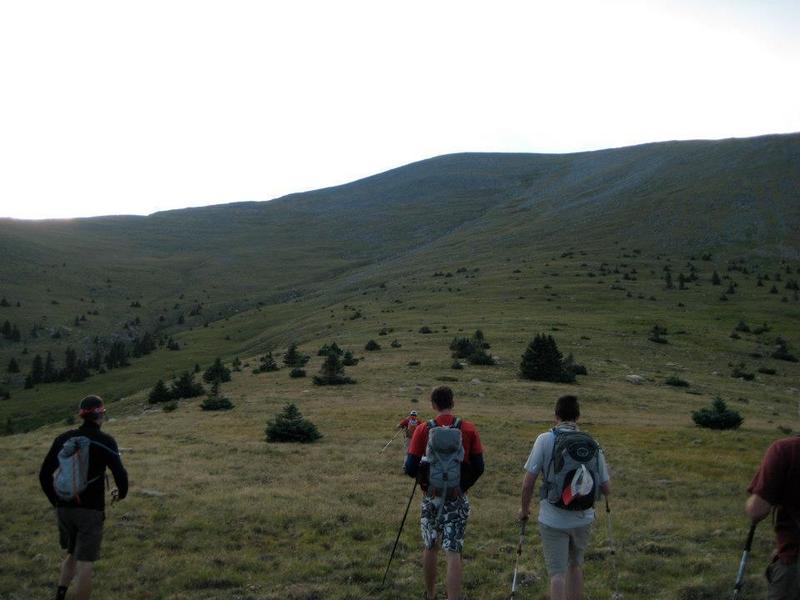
(80, 532)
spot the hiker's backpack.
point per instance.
(444, 454)
(72, 476)
(573, 451)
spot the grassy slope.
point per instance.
(243, 519)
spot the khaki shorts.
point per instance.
(563, 547)
(784, 581)
(80, 532)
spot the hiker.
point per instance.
(409, 424)
(776, 485)
(445, 508)
(567, 496)
(81, 512)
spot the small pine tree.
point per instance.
(294, 358)
(186, 387)
(268, 364)
(13, 365)
(159, 393)
(348, 360)
(715, 280)
(215, 400)
(543, 361)
(717, 416)
(217, 372)
(372, 346)
(236, 365)
(290, 426)
(332, 372)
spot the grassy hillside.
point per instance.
(577, 246)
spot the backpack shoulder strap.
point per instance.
(432, 424)
(104, 447)
(456, 424)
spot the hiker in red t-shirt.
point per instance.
(409, 424)
(777, 485)
(444, 516)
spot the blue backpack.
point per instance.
(72, 476)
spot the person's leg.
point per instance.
(555, 547)
(67, 571)
(574, 582)
(558, 587)
(83, 580)
(455, 571)
(784, 581)
(429, 556)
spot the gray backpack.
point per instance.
(72, 476)
(444, 455)
(572, 451)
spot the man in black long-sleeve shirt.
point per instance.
(80, 520)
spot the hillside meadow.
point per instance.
(216, 512)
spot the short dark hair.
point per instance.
(567, 408)
(442, 397)
(91, 408)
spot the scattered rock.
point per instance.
(634, 379)
(151, 493)
(475, 381)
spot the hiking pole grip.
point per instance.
(737, 588)
(399, 531)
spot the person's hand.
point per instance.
(114, 495)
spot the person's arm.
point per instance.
(757, 508)
(472, 471)
(528, 484)
(114, 463)
(606, 488)
(411, 467)
(49, 466)
(416, 450)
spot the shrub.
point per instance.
(236, 365)
(216, 402)
(268, 364)
(740, 373)
(717, 416)
(217, 372)
(396, 344)
(326, 349)
(332, 372)
(348, 360)
(4, 393)
(159, 393)
(290, 426)
(186, 387)
(372, 346)
(295, 358)
(543, 361)
(676, 382)
(462, 347)
(655, 334)
(297, 372)
(782, 352)
(742, 326)
(480, 357)
(170, 406)
(573, 367)
(766, 371)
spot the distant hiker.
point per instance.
(409, 424)
(72, 476)
(446, 457)
(573, 472)
(776, 485)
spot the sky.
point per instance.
(136, 107)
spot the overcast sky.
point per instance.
(130, 108)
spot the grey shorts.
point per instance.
(563, 547)
(784, 581)
(451, 525)
(80, 532)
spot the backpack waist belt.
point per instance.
(452, 494)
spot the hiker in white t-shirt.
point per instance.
(571, 482)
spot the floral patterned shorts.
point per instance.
(452, 523)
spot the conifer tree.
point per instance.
(294, 358)
(715, 280)
(13, 365)
(290, 426)
(186, 387)
(543, 361)
(159, 393)
(217, 372)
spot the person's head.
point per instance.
(413, 413)
(567, 408)
(442, 398)
(92, 409)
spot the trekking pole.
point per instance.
(399, 531)
(516, 563)
(737, 588)
(615, 595)
(390, 441)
